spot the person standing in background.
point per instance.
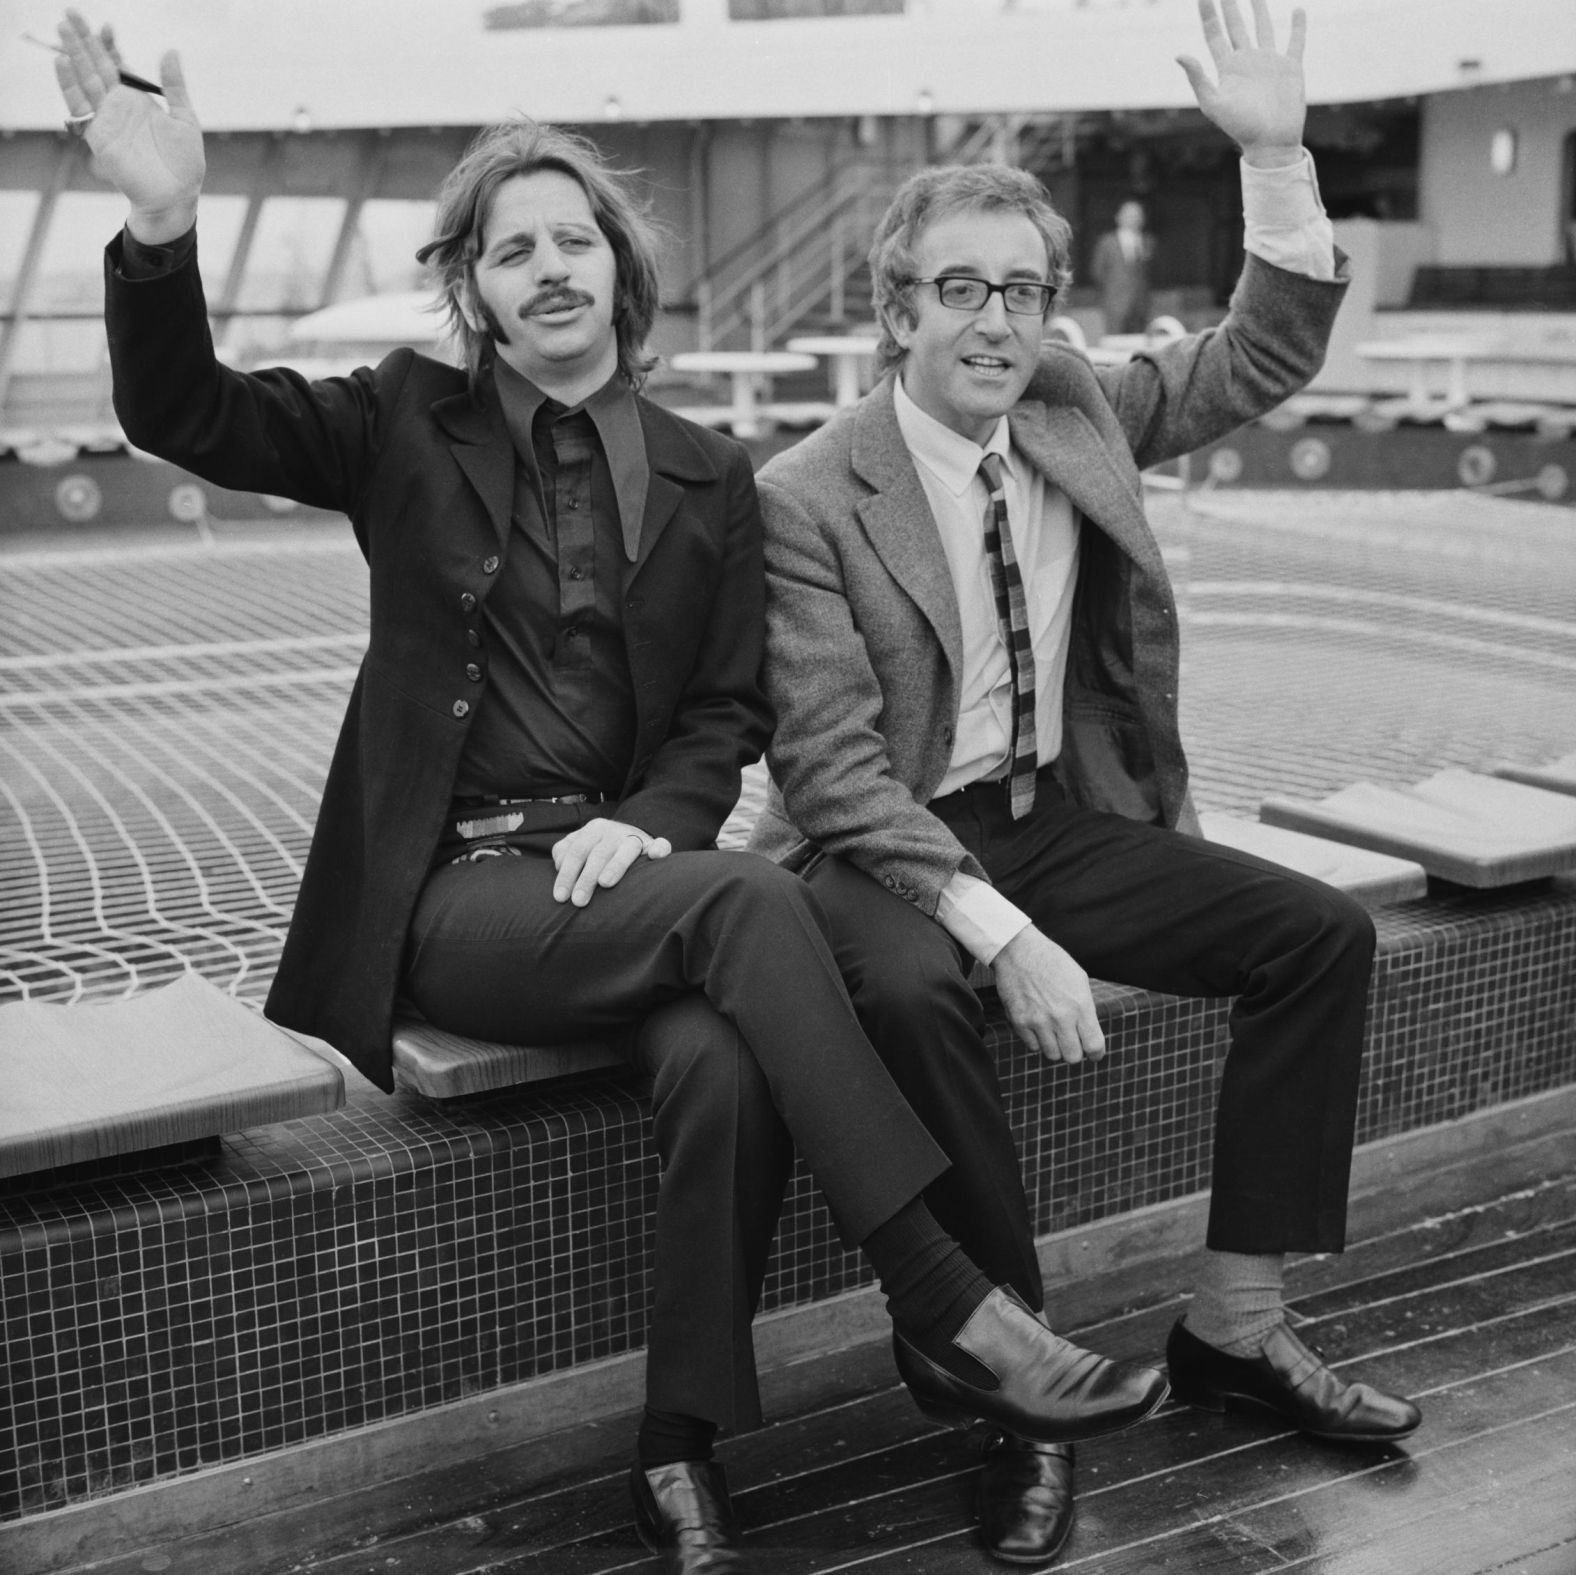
(1120, 270)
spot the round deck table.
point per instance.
(746, 368)
(847, 353)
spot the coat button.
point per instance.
(490, 565)
(467, 602)
(473, 672)
(461, 707)
(473, 637)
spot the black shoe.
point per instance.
(1025, 1499)
(1290, 1380)
(1043, 1387)
(684, 1515)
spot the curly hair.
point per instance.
(523, 147)
(939, 193)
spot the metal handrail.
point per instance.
(808, 260)
(735, 255)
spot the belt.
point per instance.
(1045, 777)
(510, 815)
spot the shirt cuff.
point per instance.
(978, 917)
(141, 261)
(1284, 220)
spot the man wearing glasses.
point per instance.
(972, 650)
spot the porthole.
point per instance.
(1225, 465)
(78, 498)
(1475, 465)
(1310, 459)
(188, 503)
(1553, 482)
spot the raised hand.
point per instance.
(153, 155)
(1259, 100)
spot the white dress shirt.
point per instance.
(1285, 225)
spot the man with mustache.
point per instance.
(972, 647)
(561, 686)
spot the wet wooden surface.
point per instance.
(1472, 1313)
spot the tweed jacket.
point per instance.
(424, 467)
(864, 644)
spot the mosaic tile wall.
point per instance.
(324, 1274)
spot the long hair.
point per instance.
(939, 193)
(523, 147)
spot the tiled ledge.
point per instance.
(320, 1276)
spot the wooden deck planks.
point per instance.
(1473, 1312)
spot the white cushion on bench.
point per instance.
(184, 1062)
(1374, 879)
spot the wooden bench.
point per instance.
(1461, 826)
(439, 1065)
(177, 1065)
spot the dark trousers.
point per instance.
(715, 971)
(1137, 905)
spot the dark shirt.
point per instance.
(558, 714)
(558, 711)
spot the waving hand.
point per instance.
(1259, 99)
(152, 155)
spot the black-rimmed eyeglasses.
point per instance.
(965, 294)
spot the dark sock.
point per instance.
(669, 1436)
(931, 1286)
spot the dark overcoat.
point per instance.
(423, 466)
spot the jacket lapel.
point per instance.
(674, 458)
(898, 521)
(484, 452)
(1061, 442)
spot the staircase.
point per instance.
(803, 271)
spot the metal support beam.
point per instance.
(369, 176)
(224, 308)
(11, 332)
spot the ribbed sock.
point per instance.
(669, 1436)
(1237, 1300)
(931, 1286)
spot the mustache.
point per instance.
(555, 301)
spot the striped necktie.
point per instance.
(1012, 614)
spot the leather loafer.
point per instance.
(684, 1515)
(1037, 1385)
(1025, 1499)
(1290, 1380)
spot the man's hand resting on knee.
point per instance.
(1047, 998)
(599, 854)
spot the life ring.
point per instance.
(78, 498)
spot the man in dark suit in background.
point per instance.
(561, 686)
(1120, 270)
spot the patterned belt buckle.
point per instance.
(489, 825)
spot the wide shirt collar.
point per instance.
(615, 415)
